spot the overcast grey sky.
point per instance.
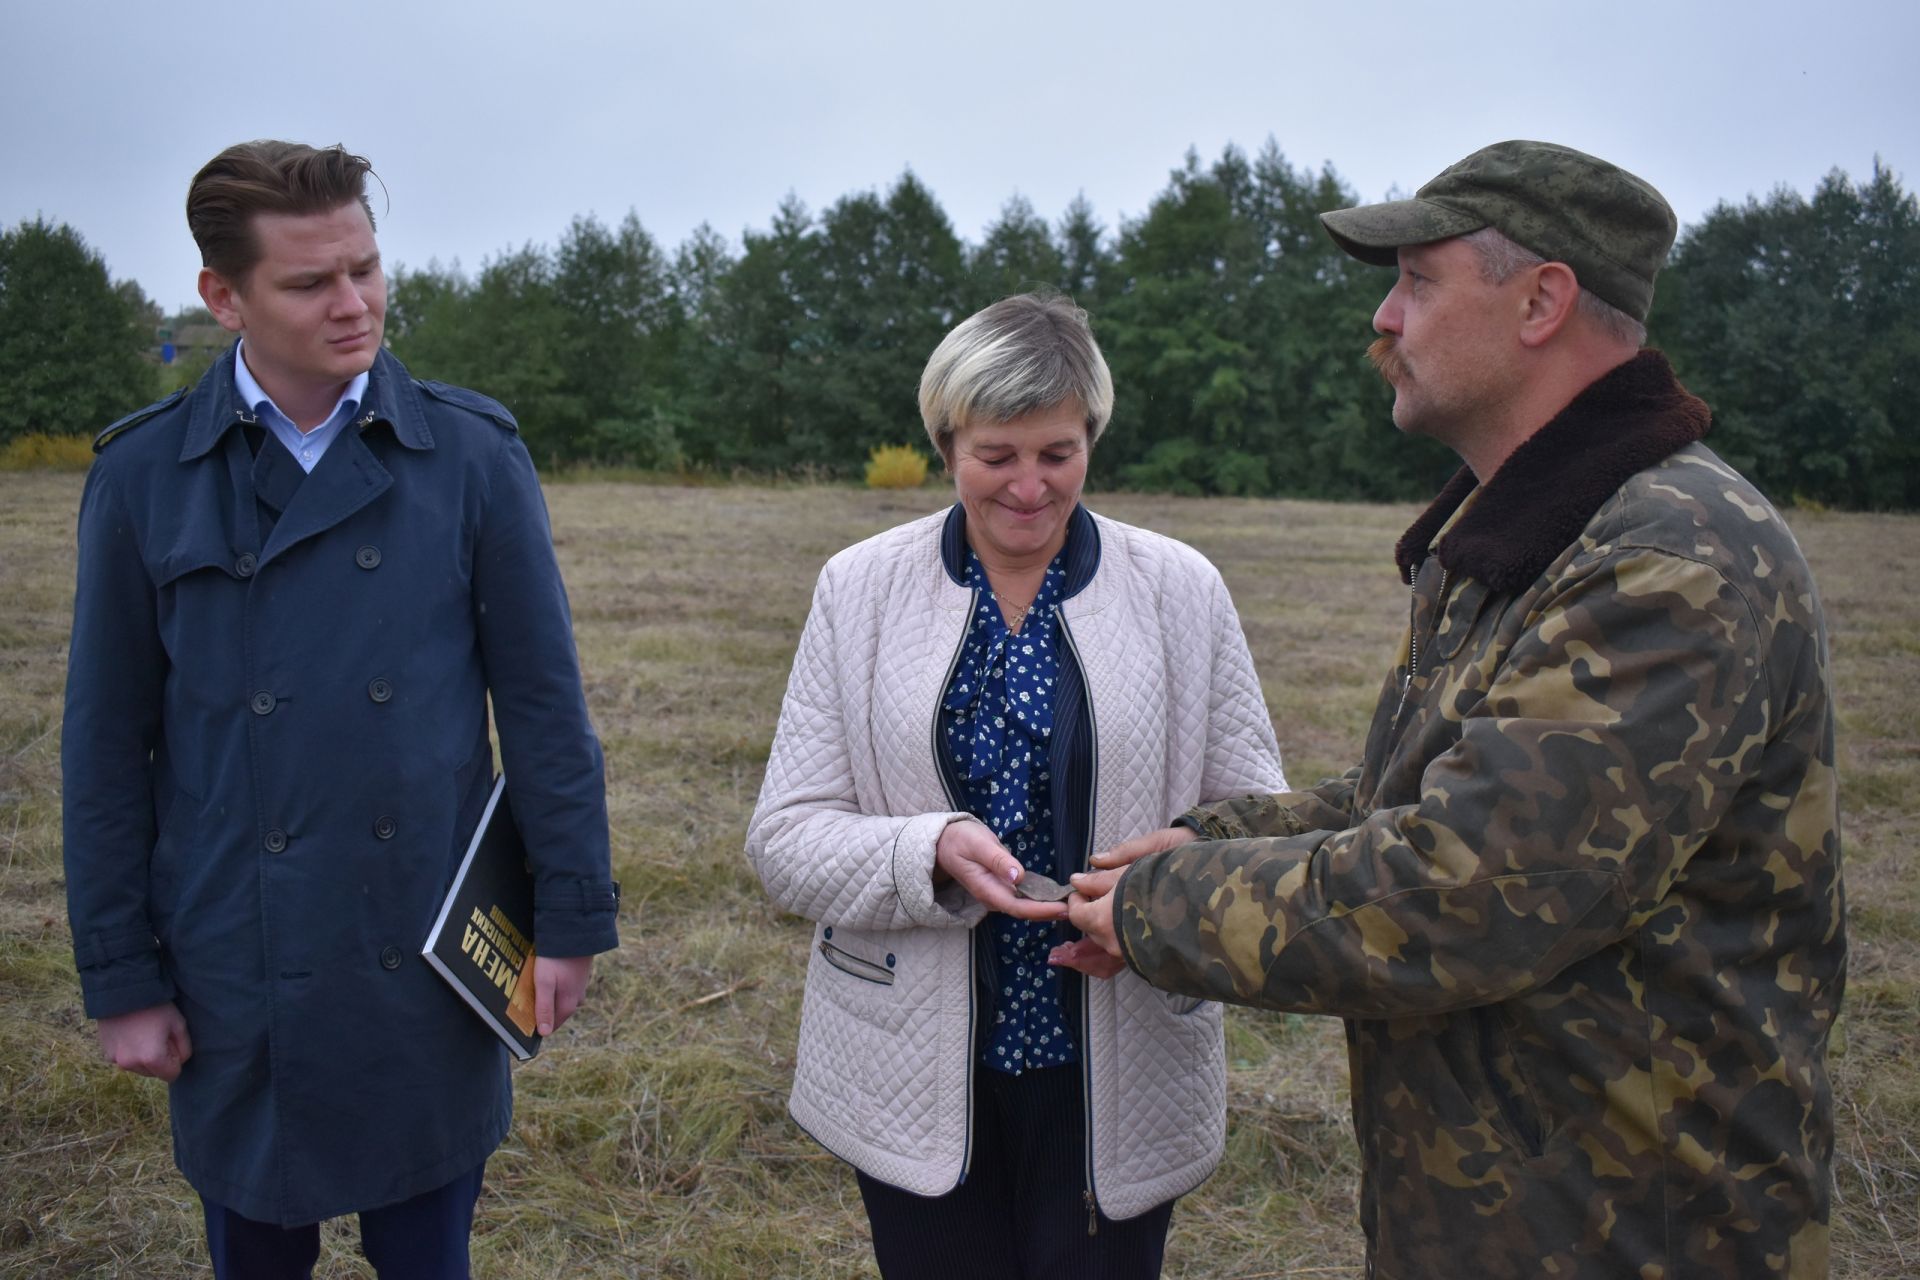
(492, 124)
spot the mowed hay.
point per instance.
(650, 1139)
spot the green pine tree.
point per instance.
(71, 340)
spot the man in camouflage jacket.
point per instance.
(1580, 903)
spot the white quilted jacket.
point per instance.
(853, 803)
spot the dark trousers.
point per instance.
(424, 1238)
(1023, 1210)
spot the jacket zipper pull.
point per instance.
(1093, 1214)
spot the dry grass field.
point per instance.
(651, 1137)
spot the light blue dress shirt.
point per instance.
(307, 447)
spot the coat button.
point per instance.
(263, 703)
(384, 827)
(276, 841)
(390, 957)
(380, 689)
(367, 557)
(245, 565)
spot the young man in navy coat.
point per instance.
(299, 581)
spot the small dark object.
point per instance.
(1041, 888)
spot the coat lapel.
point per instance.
(347, 478)
(350, 475)
(276, 476)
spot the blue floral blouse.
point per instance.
(997, 723)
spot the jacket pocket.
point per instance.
(203, 554)
(1500, 1068)
(854, 965)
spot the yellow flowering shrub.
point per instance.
(896, 466)
(42, 451)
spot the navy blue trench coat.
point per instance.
(275, 748)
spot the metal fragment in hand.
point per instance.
(1041, 888)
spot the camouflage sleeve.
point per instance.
(1611, 737)
(1328, 806)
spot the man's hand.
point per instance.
(148, 1042)
(1127, 852)
(1097, 954)
(558, 984)
(974, 858)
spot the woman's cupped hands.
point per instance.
(971, 856)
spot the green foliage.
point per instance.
(579, 342)
(500, 333)
(1798, 320)
(185, 371)
(1188, 467)
(70, 338)
(198, 342)
(38, 451)
(896, 466)
(650, 442)
(1084, 259)
(889, 287)
(806, 351)
(1236, 331)
(1018, 255)
(1234, 327)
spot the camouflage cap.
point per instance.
(1612, 228)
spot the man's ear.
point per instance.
(223, 300)
(1552, 294)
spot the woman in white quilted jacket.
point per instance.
(981, 699)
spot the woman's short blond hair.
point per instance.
(1025, 354)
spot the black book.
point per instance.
(482, 943)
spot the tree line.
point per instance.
(1233, 325)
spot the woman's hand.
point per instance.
(1085, 954)
(975, 859)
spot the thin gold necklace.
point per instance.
(1014, 614)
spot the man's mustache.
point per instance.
(1385, 354)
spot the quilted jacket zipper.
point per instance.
(953, 802)
(1086, 850)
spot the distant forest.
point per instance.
(1233, 326)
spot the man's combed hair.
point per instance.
(1501, 259)
(1025, 354)
(266, 177)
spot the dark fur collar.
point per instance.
(1545, 493)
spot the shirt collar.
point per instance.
(255, 397)
(387, 393)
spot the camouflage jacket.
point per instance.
(1580, 904)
